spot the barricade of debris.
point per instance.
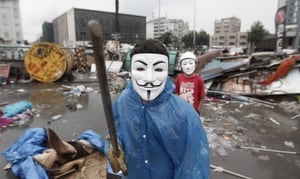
(256, 75)
(249, 101)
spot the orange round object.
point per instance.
(45, 62)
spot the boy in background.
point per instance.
(189, 85)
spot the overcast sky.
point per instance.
(35, 12)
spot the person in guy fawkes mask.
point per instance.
(189, 85)
(160, 133)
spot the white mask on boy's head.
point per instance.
(188, 62)
(149, 73)
(188, 66)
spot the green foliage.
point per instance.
(256, 34)
(201, 38)
(169, 39)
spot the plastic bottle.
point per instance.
(13, 109)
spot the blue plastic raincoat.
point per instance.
(163, 138)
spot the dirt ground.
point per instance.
(233, 126)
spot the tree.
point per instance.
(1, 40)
(256, 34)
(201, 38)
(187, 40)
(26, 42)
(169, 39)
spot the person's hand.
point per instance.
(117, 162)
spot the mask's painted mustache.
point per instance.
(149, 85)
(148, 94)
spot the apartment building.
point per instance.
(159, 26)
(225, 25)
(227, 33)
(229, 39)
(10, 22)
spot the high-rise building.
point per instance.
(227, 34)
(292, 11)
(10, 22)
(289, 13)
(231, 24)
(159, 26)
(72, 26)
(48, 32)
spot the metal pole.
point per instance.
(158, 18)
(270, 150)
(117, 17)
(194, 31)
(117, 29)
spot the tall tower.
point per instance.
(291, 30)
(292, 24)
(10, 22)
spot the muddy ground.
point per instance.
(230, 125)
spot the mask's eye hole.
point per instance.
(140, 69)
(158, 70)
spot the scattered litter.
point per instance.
(289, 144)
(220, 169)
(43, 106)
(13, 109)
(89, 89)
(290, 107)
(274, 121)
(222, 152)
(25, 118)
(294, 128)
(294, 117)
(252, 115)
(76, 90)
(20, 119)
(79, 106)
(21, 90)
(241, 105)
(56, 117)
(72, 105)
(264, 157)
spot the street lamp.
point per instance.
(194, 35)
(158, 18)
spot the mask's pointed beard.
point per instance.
(148, 94)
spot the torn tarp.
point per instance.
(20, 153)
